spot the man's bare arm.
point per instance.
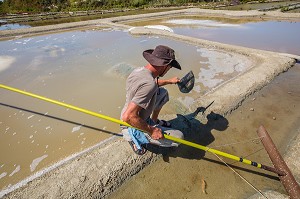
(162, 82)
(131, 117)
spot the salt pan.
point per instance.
(17, 169)
(2, 175)
(76, 128)
(36, 161)
(30, 116)
(207, 23)
(160, 27)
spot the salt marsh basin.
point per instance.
(225, 105)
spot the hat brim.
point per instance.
(153, 60)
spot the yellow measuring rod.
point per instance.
(191, 144)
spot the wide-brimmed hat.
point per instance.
(161, 56)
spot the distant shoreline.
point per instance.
(114, 20)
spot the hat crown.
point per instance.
(161, 56)
(164, 52)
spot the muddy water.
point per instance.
(87, 69)
(278, 36)
(12, 26)
(184, 172)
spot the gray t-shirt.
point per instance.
(141, 89)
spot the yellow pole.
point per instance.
(204, 148)
(65, 105)
(191, 144)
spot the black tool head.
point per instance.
(186, 83)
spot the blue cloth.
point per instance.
(138, 137)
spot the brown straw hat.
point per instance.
(161, 56)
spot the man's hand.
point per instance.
(156, 133)
(174, 80)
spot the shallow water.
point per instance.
(13, 26)
(87, 69)
(278, 36)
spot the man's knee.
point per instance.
(126, 135)
(175, 133)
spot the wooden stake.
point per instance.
(288, 180)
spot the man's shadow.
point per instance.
(198, 133)
(194, 131)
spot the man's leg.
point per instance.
(155, 114)
(139, 151)
(161, 99)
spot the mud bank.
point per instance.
(101, 170)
